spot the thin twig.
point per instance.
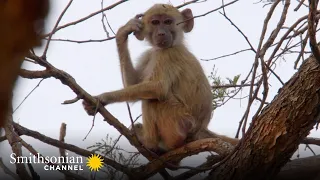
(25, 98)
(209, 12)
(55, 27)
(8, 171)
(93, 120)
(313, 4)
(85, 18)
(226, 55)
(299, 5)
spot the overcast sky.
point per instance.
(95, 67)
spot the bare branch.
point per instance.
(223, 56)
(209, 144)
(299, 5)
(8, 171)
(71, 101)
(35, 74)
(25, 98)
(55, 26)
(70, 147)
(313, 4)
(85, 18)
(84, 41)
(313, 141)
(209, 12)
(15, 143)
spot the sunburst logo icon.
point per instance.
(94, 162)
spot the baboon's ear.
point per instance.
(188, 18)
(139, 34)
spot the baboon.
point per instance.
(168, 79)
(21, 23)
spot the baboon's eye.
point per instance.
(168, 21)
(155, 22)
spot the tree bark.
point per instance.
(274, 135)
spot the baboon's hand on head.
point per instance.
(133, 25)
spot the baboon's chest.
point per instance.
(149, 69)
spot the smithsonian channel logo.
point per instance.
(56, 163)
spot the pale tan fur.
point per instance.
(206, 133)
(175, 93)
(185, 95)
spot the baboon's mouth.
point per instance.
(163, 44)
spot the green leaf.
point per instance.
(235, 79)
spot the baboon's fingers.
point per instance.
(138, 16)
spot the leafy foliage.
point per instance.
(221, 90)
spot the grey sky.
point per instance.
(95, 66)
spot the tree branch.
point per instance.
(312, 29)
(276, 133)
(70, 147)
(209, 144)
